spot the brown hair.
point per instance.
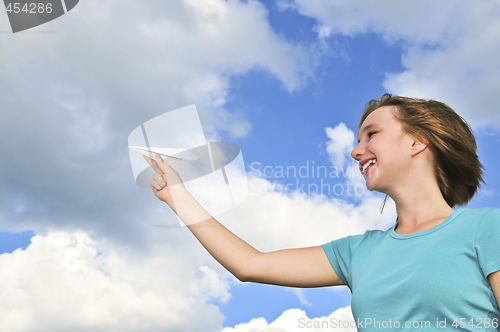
(451, 140)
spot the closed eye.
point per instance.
(370, 134)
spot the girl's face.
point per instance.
(383, 150)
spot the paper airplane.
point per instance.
(213, 172)
(165, 152)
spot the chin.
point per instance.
(371, 180)
(371, 187)
(377, 188)
(374, 184)
(370, 183)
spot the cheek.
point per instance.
(388, 151)
(404, 147)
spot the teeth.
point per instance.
(370, 162)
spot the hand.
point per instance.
(165, 180)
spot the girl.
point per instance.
(435, 268)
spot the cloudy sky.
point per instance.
(285, 80)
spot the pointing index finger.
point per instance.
(161, 163)
(154, 164)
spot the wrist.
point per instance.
(187, 207)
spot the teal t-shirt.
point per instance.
(430, 280)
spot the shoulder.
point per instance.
(477, 217)
(480, 217)
(481, 213)
(486, 240)
(489, 219)
(483, 223)
(491, 213)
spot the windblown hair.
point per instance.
(456, 164)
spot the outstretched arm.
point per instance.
(304, 267)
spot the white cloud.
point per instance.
(340, 145)
(295, 320)
(213, 285)
(452, 57)
(392, 20)
(61, 282)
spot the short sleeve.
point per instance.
(487, 242)
(340, 252)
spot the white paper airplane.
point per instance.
(165, 152)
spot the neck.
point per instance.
(416, 217)
(421, 207)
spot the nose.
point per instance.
(358, 151)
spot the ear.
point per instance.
(418, 145)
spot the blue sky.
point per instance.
(275, 77)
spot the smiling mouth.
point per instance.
(367, 164)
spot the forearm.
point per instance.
(228, 249)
